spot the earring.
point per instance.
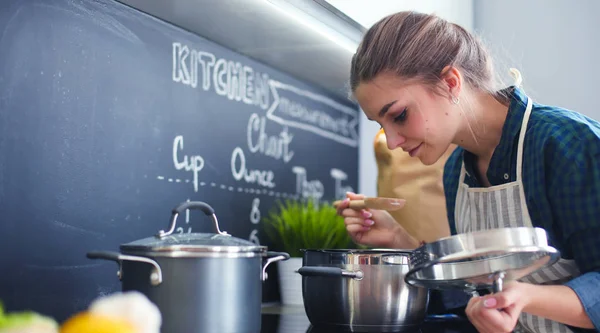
(455, 100)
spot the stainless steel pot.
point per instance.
(200, 282)
(361, 290)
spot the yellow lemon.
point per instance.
(86, 322)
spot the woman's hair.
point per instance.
(419, 46)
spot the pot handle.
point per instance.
(155, 276)
(330, 271)
(182, 207)
(271, 258)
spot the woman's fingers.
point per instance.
(354, 196)
(362, 217)
(349, 212)
(357, 220)
(345, 204)
(354, 229)
(342, 206)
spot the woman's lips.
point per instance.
(413, 152)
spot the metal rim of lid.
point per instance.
(161, 247)
(359, 251)
(522, 235)
(370, 257)
(466, 245)
(452, 258)
(186, 252)
(436, 267)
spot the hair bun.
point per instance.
(517, 76)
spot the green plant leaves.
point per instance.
(294, 225)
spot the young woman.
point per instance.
(429, 84)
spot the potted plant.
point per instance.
(294, 225)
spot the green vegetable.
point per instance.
(295, 225)
(26, 319)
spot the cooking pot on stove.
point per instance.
(201, 282)
(361, 291)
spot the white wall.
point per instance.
(367, 12)
(554, 43)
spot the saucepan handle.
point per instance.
(498, 282)
(155, 276)
(497, 285)
(271, 258)
(330, 271)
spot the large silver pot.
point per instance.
(201, 282)
(361, 290)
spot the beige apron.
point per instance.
(505, 206)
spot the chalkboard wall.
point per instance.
(109, 118)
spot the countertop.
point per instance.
(293, 319)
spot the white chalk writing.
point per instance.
(339, 176)
(307, 189)
(254, 238)
(318, 118)
(277, 147)
(338, 123)
(241, 172)
(193, 163)
(255, 211)
(229, 78)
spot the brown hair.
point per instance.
(419, 46)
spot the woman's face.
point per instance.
(414, 117)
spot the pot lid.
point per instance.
(193, 244)
(481, 259)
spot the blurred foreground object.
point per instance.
(127, 312)
(26, 322)
(401, 176)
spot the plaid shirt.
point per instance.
(561, 181)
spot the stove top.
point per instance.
(293, 319)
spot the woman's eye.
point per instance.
(401, 117)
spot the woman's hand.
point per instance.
(374, 227)
(499, 312)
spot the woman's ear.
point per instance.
(452, 81)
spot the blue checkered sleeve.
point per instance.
(574, 197)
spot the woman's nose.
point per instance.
(394, 140)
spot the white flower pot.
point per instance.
(290, 282)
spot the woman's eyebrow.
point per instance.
(385, 108)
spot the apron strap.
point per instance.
(463, 171)
(522, 139)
